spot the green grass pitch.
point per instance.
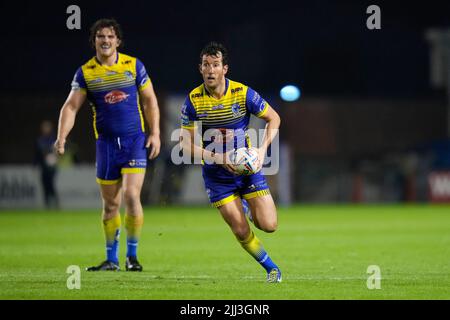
(188, 253)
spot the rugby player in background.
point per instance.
(122, 98)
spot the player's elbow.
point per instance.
(276, 119)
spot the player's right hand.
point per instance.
(59, 146)
(223, 159)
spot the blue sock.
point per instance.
(267, 263)
(133, 224)
(132, 247)
(253, 246)
(112, 248)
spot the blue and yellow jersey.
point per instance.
(232, 111)
(113, 93)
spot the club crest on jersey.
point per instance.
(129, 75)
(115, 96)
(235, 109)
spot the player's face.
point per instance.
(106, 42)
(213, 70)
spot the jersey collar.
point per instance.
(227, 82)
(99, 63)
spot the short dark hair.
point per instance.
(106, 23)
(212, 49)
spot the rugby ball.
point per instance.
(245, 161)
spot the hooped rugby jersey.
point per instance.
(113, 93)
(232, 111)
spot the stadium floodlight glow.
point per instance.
(290, 93)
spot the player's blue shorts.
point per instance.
(119, 155)
(223, 187)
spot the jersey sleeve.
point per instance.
(255, 103)
(188, 115)
(142, 78)
(78, 82)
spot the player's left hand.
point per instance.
(154, 146)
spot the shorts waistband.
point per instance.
(115, 137)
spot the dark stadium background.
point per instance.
(369, 117)
(364, 155)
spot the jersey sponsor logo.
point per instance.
(143, 72)
(223, 135)
(137, 162)
(220, 106)
(256, 98)
(110, 73)
(196, 95)
(91, 66)
(236, 90)
(115, 96)
(257, 186)
(203, 115)
(126, 62)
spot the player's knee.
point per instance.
(241, 233)
(269, 226)
(110, 208)
(131, 196)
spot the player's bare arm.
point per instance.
(67, 117)
(187, 142)
(273, 122)
(151, 114)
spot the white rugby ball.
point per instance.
(245, 161)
